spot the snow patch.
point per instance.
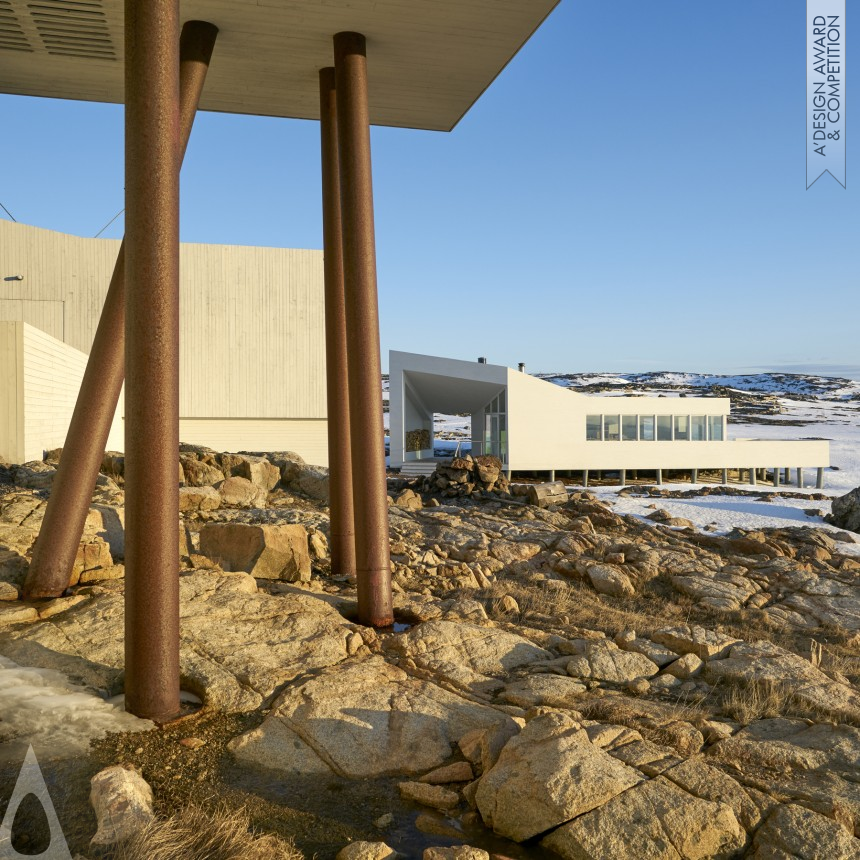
(43, 708)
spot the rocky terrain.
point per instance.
(562, 681)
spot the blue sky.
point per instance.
(628, 195)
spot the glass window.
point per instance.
(682, 427)
(715, 428)
(699, 428)
(494, 406)
(646, 428)
(629, 426)
(593, 426)
(664, 428)
(612, 428)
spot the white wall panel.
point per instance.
(252, 341)
(46, 315)
(49, 375)
(251, 319)
(547, 431)
(56, 267)
(11, 392)
(307, 438)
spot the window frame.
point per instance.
(606, 436)
(653, 418)
(624, 436)
(722, 424)
(599, 437)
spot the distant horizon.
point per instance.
(839, 371)
(831, 371)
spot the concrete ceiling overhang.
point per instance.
(450, 394)
(428, 60)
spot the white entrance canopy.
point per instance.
(428, 60)
(440, 395)
(421, 385)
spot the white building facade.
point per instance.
(537, 426)
(252, 341)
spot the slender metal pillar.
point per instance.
(659, 476)
(152, 156)
(753, 477)
(694, 476)
(776, 476)
(819, 478)
(799, 476)
(341, 512)
(725, 476)
(373, 564)
(72, 492)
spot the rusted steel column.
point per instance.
(342, 529)
(373, 565)
(71, 495)
(152, 156)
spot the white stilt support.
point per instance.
(623, 477)
(799, 477)
(776, 476)
(753, 476)
(659, 476)
(819, 483)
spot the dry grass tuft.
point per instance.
(198, 834)
(669, 724)
(626, 711)
(760, 701)
(844, 661)
(532, 599)
(565, 603)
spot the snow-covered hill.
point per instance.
(795, 385)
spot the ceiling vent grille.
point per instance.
(12, 36)
(73, 28)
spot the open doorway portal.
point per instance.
(452, 434)
(495, 439)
